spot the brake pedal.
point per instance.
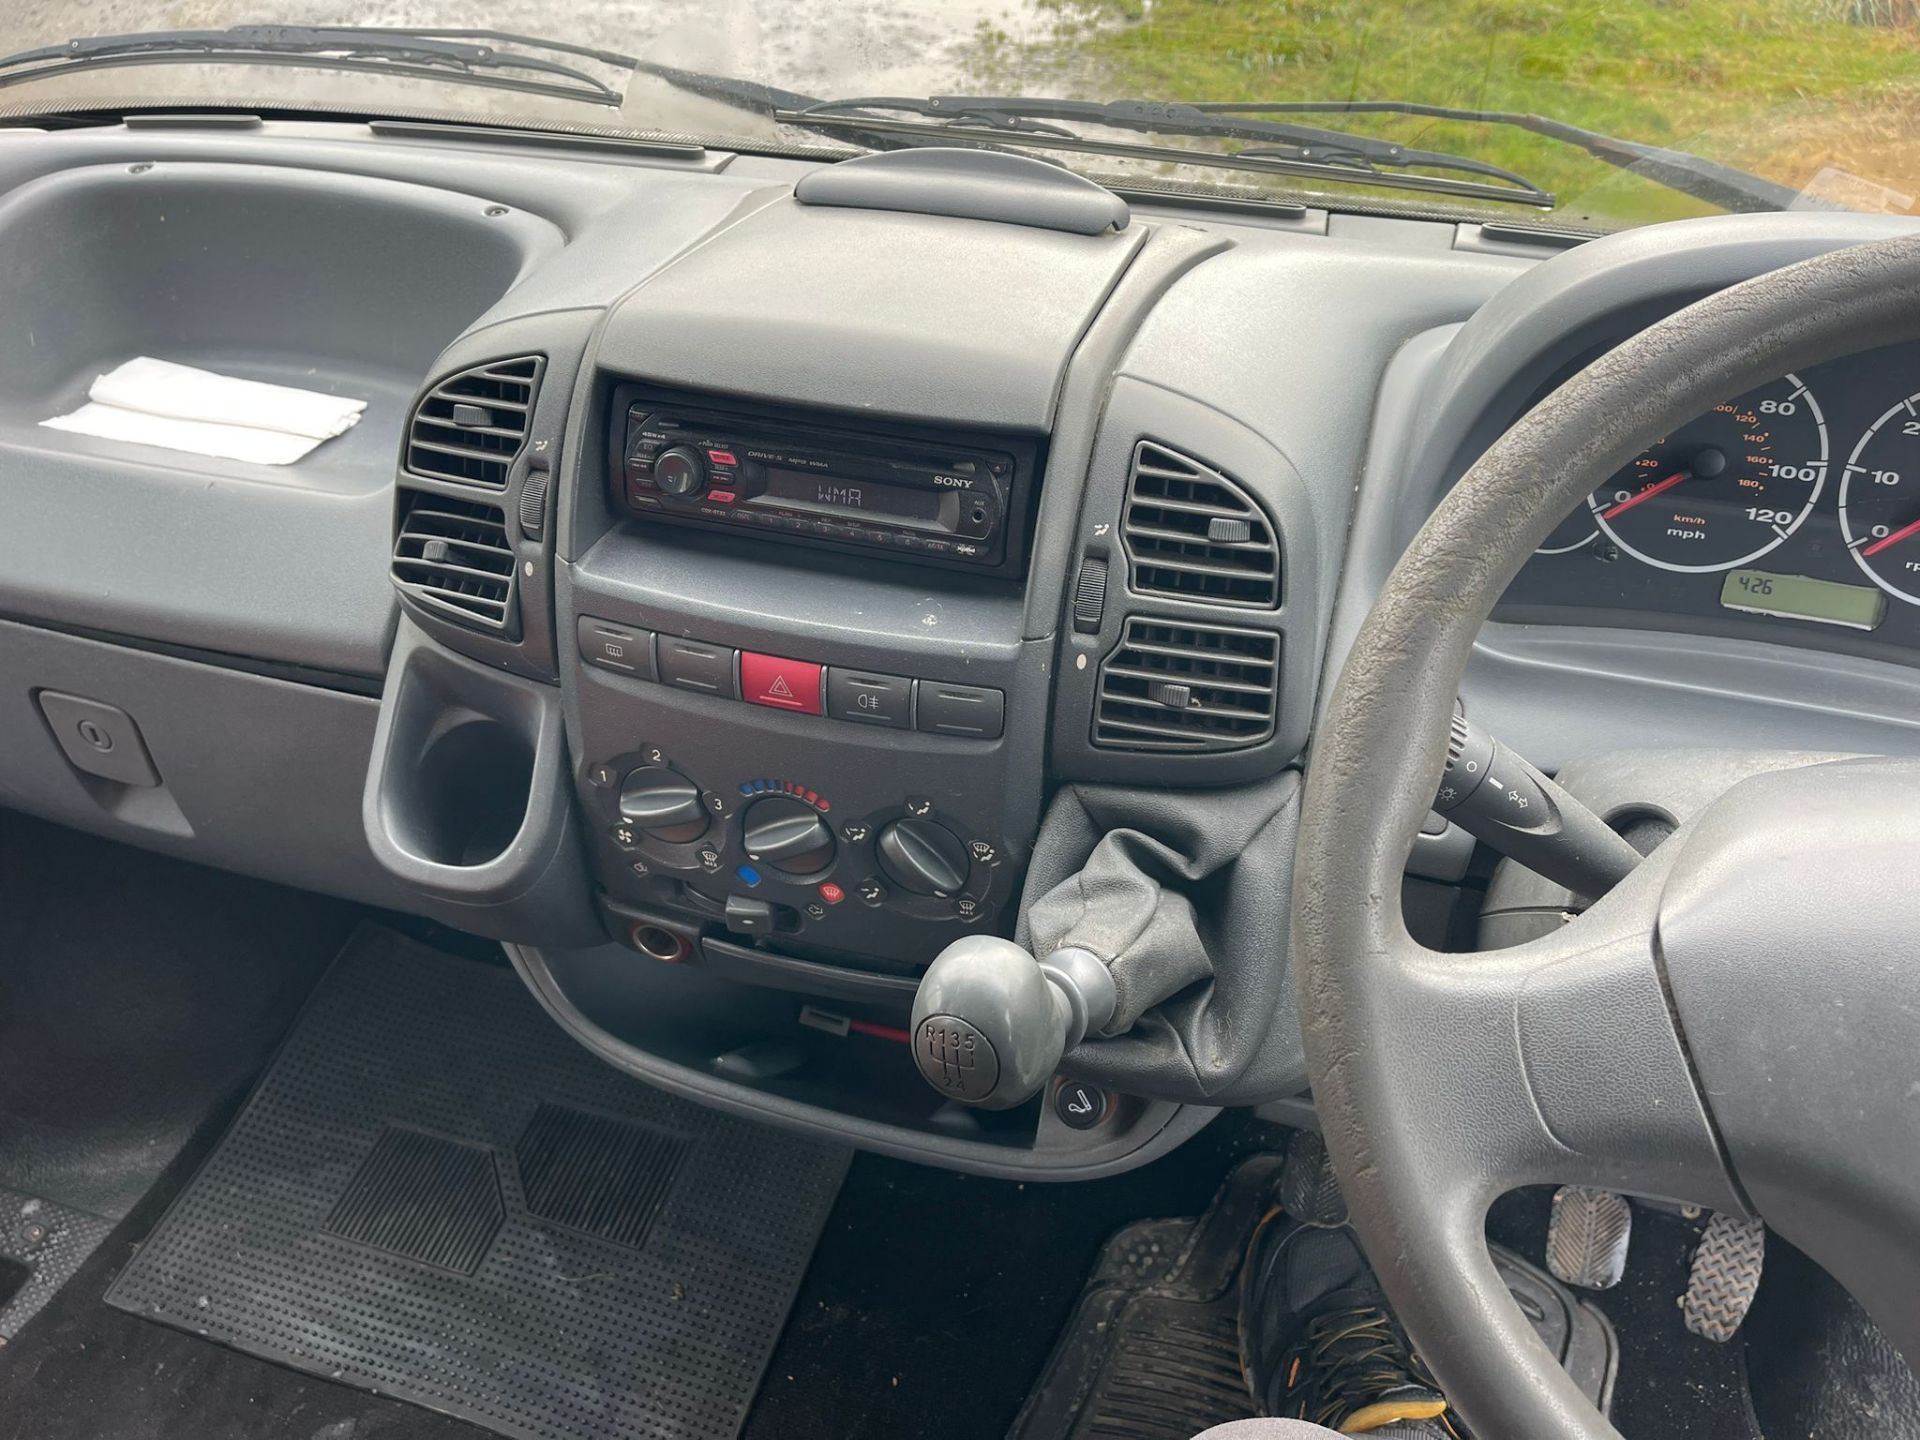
(1725, 1276)
(1308, 1189)
(1587, 1235)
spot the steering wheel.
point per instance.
(1736, 1025)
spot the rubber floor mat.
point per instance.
(1153, 1352)
(367, 1217)
(41, 1245)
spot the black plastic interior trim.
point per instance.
(339, 681)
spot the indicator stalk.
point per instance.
(1504, 802)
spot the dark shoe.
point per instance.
(1317, 1341)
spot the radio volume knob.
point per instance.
(681, 470)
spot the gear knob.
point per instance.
(990, 1022)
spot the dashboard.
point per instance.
(739, 589)
(1789, 515)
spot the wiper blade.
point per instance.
(741, 94)
(996, 121)
(1726, 186)
(459, 56)
(1345, 162)
(1027, 115)
(758, 98)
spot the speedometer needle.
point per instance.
(1646, 494)
(1894, 539)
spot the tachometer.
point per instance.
(1880, 501)
(1723, 489)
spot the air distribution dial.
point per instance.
(923, 857)
(681, 470)
(664, 803)
(788, 835)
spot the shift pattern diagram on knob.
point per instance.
(956, 1057)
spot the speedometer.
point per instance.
(1723, 489)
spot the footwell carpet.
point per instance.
(435, 1194)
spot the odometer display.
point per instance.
(1801, 597)
(1724, 489)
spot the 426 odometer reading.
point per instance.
(1723, 489)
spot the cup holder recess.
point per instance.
(467, 798)
(469, 792)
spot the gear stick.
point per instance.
(990, 1022)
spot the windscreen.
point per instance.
(1593, 114)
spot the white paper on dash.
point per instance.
(199, 437)
(178, 407)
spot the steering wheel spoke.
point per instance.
(1557, 1062)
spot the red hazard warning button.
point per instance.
(783, 684)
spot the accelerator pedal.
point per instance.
(1725, 1276)
(1587, 1236)
(1309, 1191)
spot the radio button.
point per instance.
(973, 712)
(870, 699)
(780, 684)
(692, 665)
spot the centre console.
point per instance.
(742, 597)
(814, 754)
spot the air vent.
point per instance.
(453, 556)
(472, 425)
(1187, 687)
(1195, 535)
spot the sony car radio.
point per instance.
(920, 496)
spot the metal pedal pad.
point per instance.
(1587, 1235)
(1725, 1276)
(1308, 1189)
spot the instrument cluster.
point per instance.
(1790, 513)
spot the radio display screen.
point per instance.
(805, 490)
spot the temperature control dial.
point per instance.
(664, 803)
(923, 857)
(788, 835)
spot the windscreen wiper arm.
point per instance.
(1028, 115)
(1725, 186)
(460, 56)
(996, 121)
(1281, 149)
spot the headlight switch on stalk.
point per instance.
(1501, 800)
(990, 1022)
